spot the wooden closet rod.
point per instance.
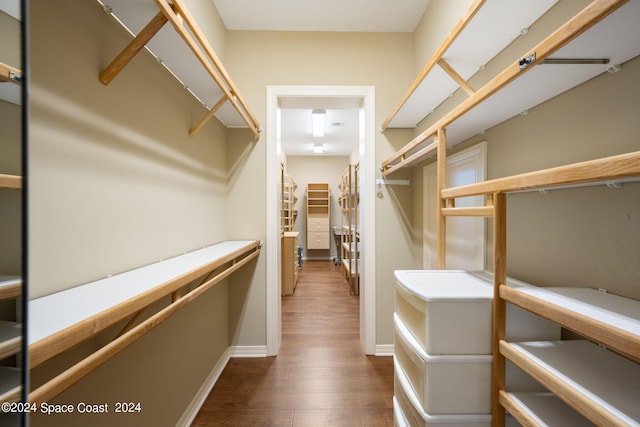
(581, 22)
(178, 14)
(448, 41)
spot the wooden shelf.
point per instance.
(10, 182)
(611, 320)
(59, 321)
(509, 93)
(463, 55)
(10, 287)
(349, 237)
(194, 71)
(597, 383)
(10, 338)
(542, 409)
(600, 384)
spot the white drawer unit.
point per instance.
(407, 411)
(443, 336)
(449, 312)
(444, 384)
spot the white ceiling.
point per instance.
(322, 15)
(341, 132)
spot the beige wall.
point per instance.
(258, 59)
(116, 183)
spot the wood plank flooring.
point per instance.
(320, 377)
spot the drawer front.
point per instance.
(318, 224)
(318, 240)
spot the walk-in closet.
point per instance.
(385, 213)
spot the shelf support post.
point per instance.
(441, 257)
(499, 305)
(132, 49)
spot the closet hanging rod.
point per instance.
(178, 14)
(581, 22)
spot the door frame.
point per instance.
(367, 204)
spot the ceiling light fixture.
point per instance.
(318, 121)
(317, 149)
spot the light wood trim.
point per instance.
(74, 374)
(8, 292)
(216, 71)
(470, 211)
(132, 49)
(581, 22)
(10, 74)
(10, 347)
(456, 77)
(499, 305)
(133, 321)
(560, 388)
(441, 224)
(605, 169)
(423, 152)
(515, 409)
(10, 182)
(448, 41)
(614, 338)
(191, 22)
(46, 348)
(194, 130)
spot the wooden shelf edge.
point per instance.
(584, 403)
(610, 168)
(614, 338)
(10, 182)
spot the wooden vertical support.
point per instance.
(499, 305)
(132, 49)
(194, 130)
(441, 259)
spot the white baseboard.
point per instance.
(194, 407)
(384, 349)
(248, 351)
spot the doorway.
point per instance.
(366, 157)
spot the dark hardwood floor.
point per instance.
(320, 377)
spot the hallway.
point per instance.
(320, 377)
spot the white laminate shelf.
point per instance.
(10, 287)
(543, 409)
(65, 318)
(600, 384)
(10, 338)
(611, 320)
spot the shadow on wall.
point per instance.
(240, 143)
